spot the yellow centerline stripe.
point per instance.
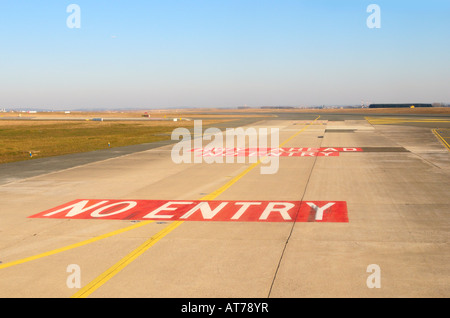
(441, 139)
(115, 269)
(69, 247)
(408, 121)
(382, 121)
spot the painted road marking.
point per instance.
(227, 185)
(208, 197)
(69, 247)
(442, 139)
(200, 210)
(116, 268)
(277, 152)
(159, 235)
(388, 120)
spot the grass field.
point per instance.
(45, 134)
(52, 138)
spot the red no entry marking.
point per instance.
(195, 210)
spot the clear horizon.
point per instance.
(222, 54)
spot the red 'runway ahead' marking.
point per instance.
(197, 210)
(277, 152)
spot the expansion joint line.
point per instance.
(293, 223)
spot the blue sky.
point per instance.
(222, 53)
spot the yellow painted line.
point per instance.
(441, 139)
(223, 188)
(112, 271)
(88, 289)
(405, 119)
(69, 247)
(115, 269)
(384, 121)
(411, 121)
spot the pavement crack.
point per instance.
(292, 227)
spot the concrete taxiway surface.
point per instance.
(396, 193)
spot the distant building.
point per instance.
(399, 105)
